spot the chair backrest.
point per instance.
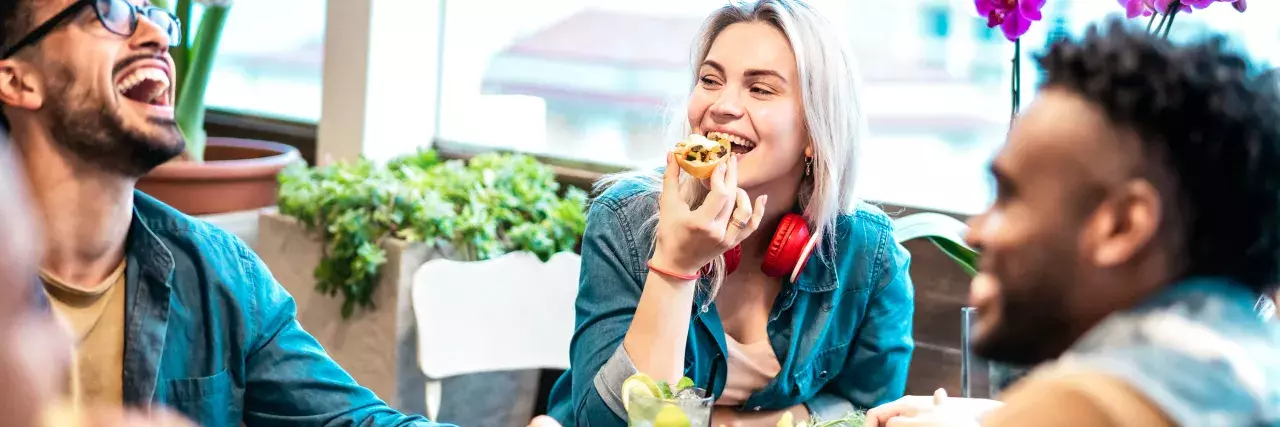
(508, 313)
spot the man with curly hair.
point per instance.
(1136, 225)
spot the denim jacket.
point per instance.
(841, 332)
(210, 333)
(1199, 351)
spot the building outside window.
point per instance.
(597, 81)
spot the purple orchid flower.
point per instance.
(1013, 16)
(1135, 8)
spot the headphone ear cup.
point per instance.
(731, 259)
(786, 247)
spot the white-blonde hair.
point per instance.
(833, 119)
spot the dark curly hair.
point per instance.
(1211, 123)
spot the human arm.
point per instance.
(685, 241)
(289, 378)
(631, 319)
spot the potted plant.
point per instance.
(214, 175)
(475, 210)
(349, 237)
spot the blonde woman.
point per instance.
(815, 322)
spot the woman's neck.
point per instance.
(782, 200)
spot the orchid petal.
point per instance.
(1133, 8)
(1014, 26)
(1162, 6)
(1030, 9)
(1240, 5)
(984, 7)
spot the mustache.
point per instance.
(125, 63)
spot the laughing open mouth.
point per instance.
(146, 85)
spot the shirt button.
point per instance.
(757, 409)
(822, 374)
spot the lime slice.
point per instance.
(638, 385)
(671, 416)
(684, 383)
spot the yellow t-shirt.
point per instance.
(95, 317)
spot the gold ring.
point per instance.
(738, 223)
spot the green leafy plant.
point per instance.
(484, 208)
(852, 419)
(193, 59)
(943, 231)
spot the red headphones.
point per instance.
(787, 253)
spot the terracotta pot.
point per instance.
(237, 175)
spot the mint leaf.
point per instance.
(665, 390)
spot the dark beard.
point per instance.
(86, 127)
(1032, 329)
(1034, 324)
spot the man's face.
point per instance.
(1036, 266)
(34, 350)
(106, 98)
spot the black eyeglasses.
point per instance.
(117, 16)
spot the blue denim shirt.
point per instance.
(841, 332)
(210, 333)
(1199, 350)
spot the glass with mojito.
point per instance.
(656, 404)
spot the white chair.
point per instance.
(513, 312)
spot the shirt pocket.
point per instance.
(824, 366)
(209, 401)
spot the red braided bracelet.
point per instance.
(672, 274)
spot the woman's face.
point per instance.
(748, 87)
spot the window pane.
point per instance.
(269, 60)
(597, 81)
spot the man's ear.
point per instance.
(19, 87)
(1129, 225)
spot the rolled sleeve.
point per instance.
(609, 380)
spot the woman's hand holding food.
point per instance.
(688, 239)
